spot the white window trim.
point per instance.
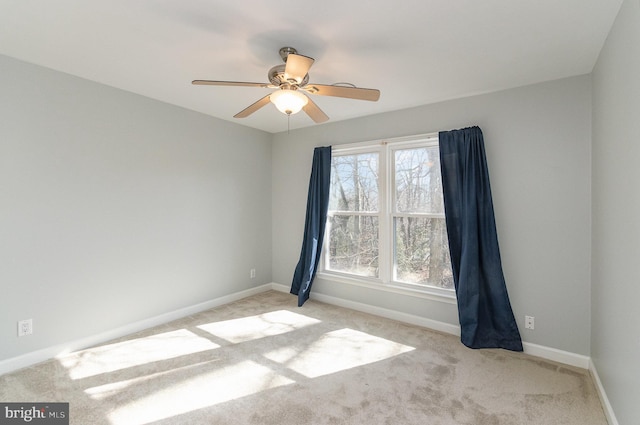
(385, 148)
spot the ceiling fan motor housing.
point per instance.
(276, 77)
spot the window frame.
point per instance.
(385, 149)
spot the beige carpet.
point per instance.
(262, 360)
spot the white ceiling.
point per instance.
(414, 51)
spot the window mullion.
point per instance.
(385, 238)
(417, 215)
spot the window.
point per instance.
(354, 214)
(386, 215)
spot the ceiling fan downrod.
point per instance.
(286, 51)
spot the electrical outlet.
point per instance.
(529, 322)
(25, 327)
(252, 273)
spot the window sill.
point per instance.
(433, 294)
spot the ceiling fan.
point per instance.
(291, 79)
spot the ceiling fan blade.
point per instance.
(314, 112)
(297, 67)
(253, 107)
(230, 83)
(341, 91)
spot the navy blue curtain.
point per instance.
(484, 310)
(315, 221)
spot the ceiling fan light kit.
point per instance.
(288, 101)
(292, 79)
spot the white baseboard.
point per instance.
(606, 405)
(34, 357)
(548, 353)
(382, 312)
(280, 287)
(560, 356)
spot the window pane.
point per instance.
(418, 186)
(353, 244)
(422, 252)
(354, 183)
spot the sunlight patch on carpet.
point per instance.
(260, 326)
(336, 351)
(134, 352)
(204, 390)
(128, 388)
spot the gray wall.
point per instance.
(615, 348)
(115, 208)
(538, 146)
